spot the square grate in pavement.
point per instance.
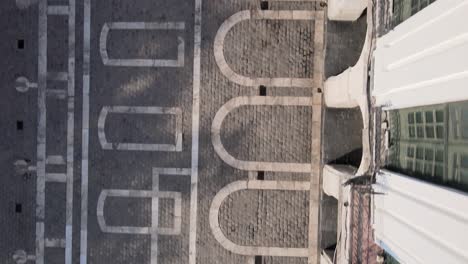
(20, 44)
(18, 208)
(260, 175)
(258, 259)
(263, 90)
(19, 125)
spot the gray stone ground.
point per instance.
(17, 229)
(261, 48)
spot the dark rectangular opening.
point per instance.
(18, 208)
(262, 90)
(264, 5)
(260, 175)
(258, 259)
(20, 43)
(19, 125)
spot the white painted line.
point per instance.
(39, 257)
(325, 1)
(56, 177)
(179, 62)
(253, 185)
(146, 25)
(154, 218)
(252, 175)
(257, 15)
(195, 131)
(55, 242)
(70, 133)
(255, 165)
(177, 146)
(57, 76)
(85, 133)
(61, 10)
(316, 163)
(41, 130)
(177, 225)
(57, 93)
(55, 160)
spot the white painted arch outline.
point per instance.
(258, 15)
(253, 185)
(255, 165)
(140, 110)
(179, 62)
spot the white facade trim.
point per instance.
(420, 222)
(427, 54)
(349, 89)
(346, 10)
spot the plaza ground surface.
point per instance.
(144, 144)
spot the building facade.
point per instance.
(415, 78)
(420, 75)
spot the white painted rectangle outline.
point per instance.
(176, 196)
(154, 110)
(179, 62)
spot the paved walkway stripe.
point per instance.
(85, 133)
(41, 130)
(316, 162)
(56, 177)
(57, 76)
(70, 133)
(55, 160)
(154, 218)
(55, 242)
(61, 10)
(195, 132)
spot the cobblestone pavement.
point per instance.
(108, 110)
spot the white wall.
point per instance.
(345, 10)
(424, 60)
(420, 222)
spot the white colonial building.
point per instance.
(419, 78)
